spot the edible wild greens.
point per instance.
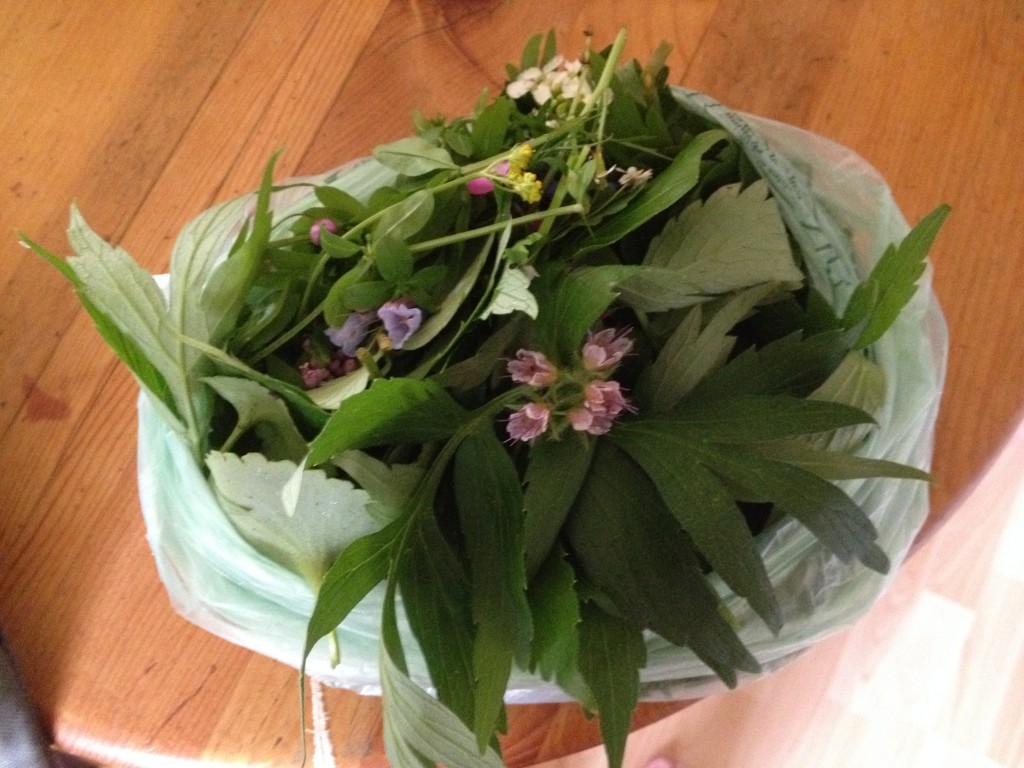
(560, 366)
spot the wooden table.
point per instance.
(144, 113)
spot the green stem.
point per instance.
(497, 226)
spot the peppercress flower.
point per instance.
(532, 368)
(605, 348)
(529, 422)
(635, 177)
(558, 79)
(401, 320)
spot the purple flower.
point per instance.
(529, 422)
(531, 368)
(322, 224)
(401, 320)
(605, 348)
(352, 332)
(481, 185)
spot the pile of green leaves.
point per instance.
(559, 554)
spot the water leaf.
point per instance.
(418, 728)
(732, 241)
(413, 156)
(331, 514)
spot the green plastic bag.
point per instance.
(843, 215)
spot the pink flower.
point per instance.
(531, 368)
(529, 422)
(585, 420)
(313, 374)
(323, 224)
(605, 348)
(605, 397)
(481, 185)
(401, 320)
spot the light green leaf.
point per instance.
(733, 240)
(390, 487)
(893, 281)
(511, 294)
(331, 514)
(258, 407)
(413, 156)
(858, 382)
(404, 219)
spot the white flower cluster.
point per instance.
(558, 79)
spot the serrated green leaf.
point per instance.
(733, 240)
(390, 411)
(390, 486)
(634, 551)
(705, 511)
(555, 608)
(833, 464)
(331, 514)
(413, 156)
(858, 382)
(826, 511)
(224, 293)
(752, 418)
(437, 598)
(258, 407)
(490, 505)
(612, 652)
(791, 365)
(690, 354)
(893, 280)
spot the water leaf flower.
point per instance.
(605, 348)
(529, 422)
(532, 368)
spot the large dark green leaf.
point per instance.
(631, 547)
(554, 475)
(612, 652)
(705, 510)
(490, 505)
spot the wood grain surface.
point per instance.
(144, 113)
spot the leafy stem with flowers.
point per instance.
(567, 347)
